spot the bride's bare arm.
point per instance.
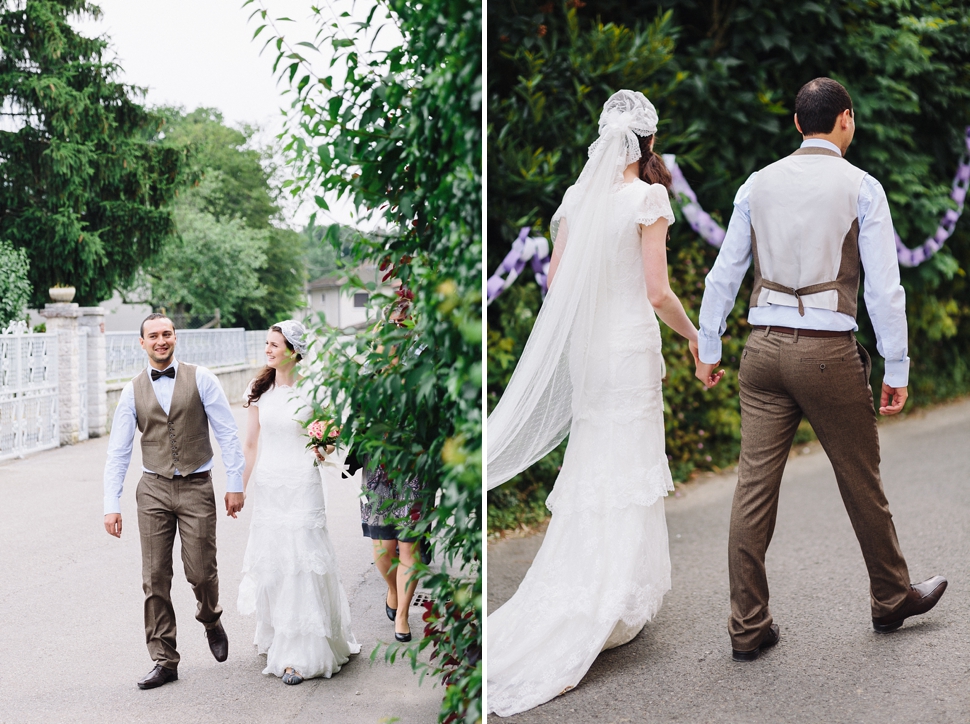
(653, 250)
(251, 445)
(557, 249)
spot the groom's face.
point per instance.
(159, 342)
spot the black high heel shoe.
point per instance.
(402, 637)
(391, 612)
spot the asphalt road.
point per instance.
(71, 628)
(829, 665)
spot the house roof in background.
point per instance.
(367, 272)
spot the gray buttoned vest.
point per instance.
(805, 232)
(179, 439)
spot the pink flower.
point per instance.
(316, 430)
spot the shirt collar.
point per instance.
(820, 143)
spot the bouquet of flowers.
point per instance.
(322, 434)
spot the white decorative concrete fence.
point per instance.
(61, 387)
(28, 392)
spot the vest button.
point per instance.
(822, 367)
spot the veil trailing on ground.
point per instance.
(535, 411)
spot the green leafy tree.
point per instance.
(241, 191)
(84, 180)
(725, 95)
(211, 265)
(244, 186)
(330, 248)
(399, 133)
(14, 284)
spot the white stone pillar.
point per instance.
(93, 319)
(62, 318)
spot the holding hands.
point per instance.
(234, 503)
(703, 371)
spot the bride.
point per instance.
(592, 368)
(290, 575)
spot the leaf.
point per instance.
(258, 31)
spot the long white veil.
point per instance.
(535, 411)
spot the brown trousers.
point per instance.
(782, 378)
(188, 504)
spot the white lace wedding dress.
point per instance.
(290, 576)
(604, 567)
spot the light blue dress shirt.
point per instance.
(126, 423)
(884, 296)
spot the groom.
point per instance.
(810, 222)
(173, 404)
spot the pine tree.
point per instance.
(84, 178)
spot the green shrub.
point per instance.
(15, 288)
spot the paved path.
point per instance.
(71, 632)
(829, 666)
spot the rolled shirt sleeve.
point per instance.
(224, 426)
(120, 443)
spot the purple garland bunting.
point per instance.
(524, 248)
(536, 248)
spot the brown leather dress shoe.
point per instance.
(771, 638)
(920, 599)
(218, 642)
(158, 676)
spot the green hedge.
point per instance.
(724, 85)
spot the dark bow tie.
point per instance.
(170, 372)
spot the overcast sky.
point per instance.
(195, 53)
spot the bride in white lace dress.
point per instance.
(592, 368)
(291, 580)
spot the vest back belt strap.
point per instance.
(798, 293)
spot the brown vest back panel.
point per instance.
(811, 265)
(181, 438)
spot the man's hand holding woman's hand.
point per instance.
(703, 371)
(234, 503)
(112, 524)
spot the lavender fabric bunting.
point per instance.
(536, 249)
(524, 249)
(961, 181)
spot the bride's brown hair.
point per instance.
(653, 170)
(267, 376)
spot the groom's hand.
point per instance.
(234, 503)
(898, 395)
(112, 524)
(706, 374)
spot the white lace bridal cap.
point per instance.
(630, 114)
(295, 334)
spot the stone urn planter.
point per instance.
(61, 295)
